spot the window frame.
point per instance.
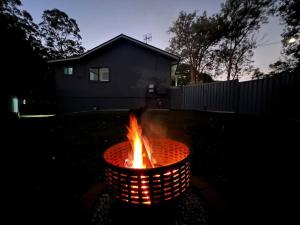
(68, 69)
(104, 81)
(98, 69)
(89, 75)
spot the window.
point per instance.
(68, 70)
(104, 74)
(99, 74)
(94, 74)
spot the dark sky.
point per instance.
(101, 20)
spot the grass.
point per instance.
(51, 162)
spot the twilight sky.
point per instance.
(101, 20)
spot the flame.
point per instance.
(141, 154)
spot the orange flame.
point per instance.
(141, 154)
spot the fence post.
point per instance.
(237, 98)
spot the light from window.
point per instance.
(94, 74)
(99, 74)
(104, 74)
(68, 70)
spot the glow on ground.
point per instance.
(37, 116)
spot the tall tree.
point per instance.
(193, 39)
(289, 12)
(241, 19)
(18, 19)
(60, 34)
(10, 7)
(22, 62)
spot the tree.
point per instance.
(10, 7)
(22, 62)
(289, 12)
(257, 74)
(241, 20)
(194, 37)
(17, 19)
(60, 34)
(281, 66)
(183, 75)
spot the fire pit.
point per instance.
(146, 172)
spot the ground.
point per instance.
(50, 163)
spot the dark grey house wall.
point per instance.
(132, 69)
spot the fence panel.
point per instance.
(217, 96)
(279, 94)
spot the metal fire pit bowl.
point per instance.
(148, 186)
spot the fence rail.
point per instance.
(279, 94)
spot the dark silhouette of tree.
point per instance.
(289, 12)
(257, 74)
(24, 69)
(60, 34)
(242, 19)
(183, 75)
(281, 66)
(194, 37)
(21, 51)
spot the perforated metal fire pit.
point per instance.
(168, 180)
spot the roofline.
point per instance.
(170, 55)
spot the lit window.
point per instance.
(94, 74)
(104, 74)
(68, 70)
(99, 74)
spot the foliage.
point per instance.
(60, 34)
(257, 74)
(281, 66)
(183, 75)
(24, 66)
(21, 50)
(289, 12)
(241, 19)
(194, 37)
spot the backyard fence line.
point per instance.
(279, 94)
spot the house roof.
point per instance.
(113, 40)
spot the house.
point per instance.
(122, 73)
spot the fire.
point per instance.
(141, 154)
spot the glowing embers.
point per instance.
(138, 193)
(148, 189)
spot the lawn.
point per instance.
(50, 163)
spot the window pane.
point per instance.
(68, 70)
(104, 74)
(94, 74)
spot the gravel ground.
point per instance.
(187, 211)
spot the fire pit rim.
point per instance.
(129, 169)
(146, 169)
